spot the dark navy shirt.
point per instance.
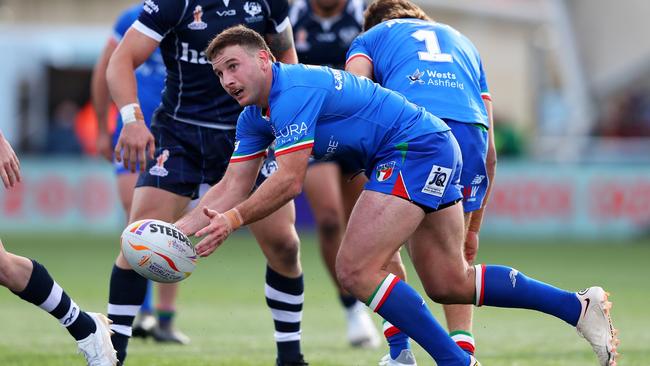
(325, 41)
(184, 29)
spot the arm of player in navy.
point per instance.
(359, 59)
(280, 36)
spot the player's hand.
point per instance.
(9, 164)
(104, 146)
(471, 246)
(215, 233)
(135, 144)
(192, 222)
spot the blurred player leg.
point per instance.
(127, 288)
(284, 288)
(323, 190)
(30, 281)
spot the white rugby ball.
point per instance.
(157, 250)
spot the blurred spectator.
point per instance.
(508, 141)
(626, 115)
(61, 137)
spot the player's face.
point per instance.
(240, 74)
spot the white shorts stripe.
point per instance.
(276, 295)
(382, 291)
(122, 329)
(53, 299)
(479, 279)
(129, 310)
(146, 31)
(286, 316)
(287, 337)
(71, 315)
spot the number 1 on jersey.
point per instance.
(433, 52)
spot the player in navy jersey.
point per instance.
(30, 281)
(436, 67)
(150, 77)
(193, 135)
(413, 163)
(323, 31)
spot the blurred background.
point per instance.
(570, 80)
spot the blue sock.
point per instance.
(508, 288)
(397, 340)
(401, 305)
(147, 304)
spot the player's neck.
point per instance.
(328, 12)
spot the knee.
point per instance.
(348, 274)
(330, 223)
(7, 270)
(449, 291)
(286, 251)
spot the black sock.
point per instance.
(45, 293)
(126, 293)
(284, 296)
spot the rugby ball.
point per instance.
(157, 250)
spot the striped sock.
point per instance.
(401, 305)
(508, 288)
(126, 293)
(397, 340)
(44, 292)
(285, 296)
(464, 340)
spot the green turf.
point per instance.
(222, 307)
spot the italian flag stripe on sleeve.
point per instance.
(308, 144)
(486, 96)
(480, 283)
(382, 291)
(239, 158)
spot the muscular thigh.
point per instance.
(323, 191)
(156, 203)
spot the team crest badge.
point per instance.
(159, 169)
(253, 8)
(385, 171)
(198, 23)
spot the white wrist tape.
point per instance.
(131, 113)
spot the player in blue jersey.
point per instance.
(413, 162)
(30, 281)
(150, 77)
(192, 135)
(436, 67)
(323, 31)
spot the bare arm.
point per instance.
(101, 99)
(9, 164)
(281, 44)
(491, 166)
(232, 189)
(360, 66)
(135, 139)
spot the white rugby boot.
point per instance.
(361, 330)
(97, 348)
(405, 358)
(595, 324)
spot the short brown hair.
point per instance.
(236, 36)
(382, 10)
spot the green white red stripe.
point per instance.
(307, 144)
(389, 329)
(240, 158)
(464, 340)
(480, 284)
(353, 56)
(382, 291)
(486, 96)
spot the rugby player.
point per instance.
(30, 281)
(192, 135)
(414, 165)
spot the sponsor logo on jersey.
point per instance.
(150, 7)
(227, 13)
(159, 169)
(384, 171)
(338, 79)
(253, 8)
(478, 179)
(470, 192)
(437, 181)
(445, 79)
(197, 23)
(295, 130)
(192, 56)
(416, 77)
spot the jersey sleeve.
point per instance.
(251, 139)
(159, 16)
(295, 123)
(278, 19)
(124, 21)
(359, 48)
(485, 92)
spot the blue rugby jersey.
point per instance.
(184, 29)
(325, 41)
(430, 63)
(338, 115)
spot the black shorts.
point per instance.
(187, 156)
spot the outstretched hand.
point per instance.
(9, 164)
(215, 233)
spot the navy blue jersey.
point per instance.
(324, 41)
(184, 29)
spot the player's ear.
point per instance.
(263, 56)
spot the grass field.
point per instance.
(222, 307)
